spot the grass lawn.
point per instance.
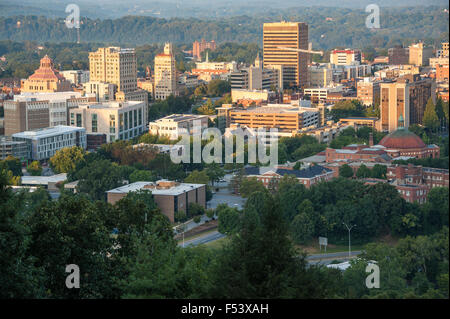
(217, 244)
(313, 247)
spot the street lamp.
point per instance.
(349, 242)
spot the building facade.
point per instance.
(44, 143)
(170, 197)
(165, 74)
(291, 35)
(174, 125)
(46, 79)
(117, 120)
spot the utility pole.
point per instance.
(349, 242)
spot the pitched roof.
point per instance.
(309, 172)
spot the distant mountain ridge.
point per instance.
(189, 8)
(329, 27)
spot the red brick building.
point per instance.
(412, 174)
(409, 144)
(199, 47)
(307, 176)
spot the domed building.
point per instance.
(46, 79)
(406, 143)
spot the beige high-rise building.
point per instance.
(293, 35)
(165, 74)
(119, 67)
(419, 55)
(368, 91)
(114, 65)
(394, 106)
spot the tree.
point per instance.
(363, 172)
(35, 168)
(13, 164)
(430, 118)
(19, 277)
(250, 185)
(302, 228)
(197, 177)
(345, 171)
(98, 177)
(228, 220)
(195, 209)
(379, 171)
(66, 159)
(142, 176)
(77, 235)
(214, 172)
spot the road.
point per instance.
(213, 236)
(325, 259)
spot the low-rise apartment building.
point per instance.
(170, 197)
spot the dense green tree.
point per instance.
(363, 172)
(19, 277)
(35, 168)
(98, 177)
(142, 176)
(430, 118)
(66, 159)
(345, 171)
(250, 185)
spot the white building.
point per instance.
(117, 120)
(57, 103)
(103, 91)
(174, 125)
(76, 77)
(45, 142)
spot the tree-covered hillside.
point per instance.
(345, 28)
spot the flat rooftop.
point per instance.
(109, 104)
(43, 180)
(172, 191)
(181, 117)
(48, 132)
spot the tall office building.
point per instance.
(114, 65)
(398, 55)
(419, 55)
(394, 105)
(408, 97)
(165, 73)
(117, 66)
(293, 35)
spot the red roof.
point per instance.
(402, 139)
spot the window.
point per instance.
(79, 121)
(94, 123)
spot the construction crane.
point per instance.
(301, 50)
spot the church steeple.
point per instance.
(258, 61)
